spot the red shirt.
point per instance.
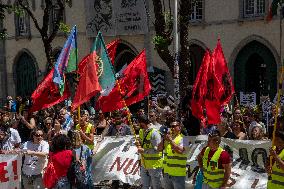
(62, 161)
(225, 157)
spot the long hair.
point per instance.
(60, 142)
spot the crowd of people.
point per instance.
(56, 133)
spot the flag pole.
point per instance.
(176, 61)
(77, 74)
(279, 85)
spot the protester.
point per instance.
(149, 149)
(175, 158)
(47, 126)
(56, 130)
(86, 130)
(215, 163)
(257, 133)
(35, 152)
(153, 120)
(61, 157)
(101, 124)
(237, 116)
(118, 128)
(223, 128)
(238, 130)
(26, 124)
(276, 172)
(84, 154)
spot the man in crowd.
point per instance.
(149, 147)
(153, 119)
(118, 128)
(215, 163)
(276, 172)
(175, 157)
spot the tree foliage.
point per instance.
(164, 37)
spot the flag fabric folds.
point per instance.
(67, 60)
(134, 85)
(199, 88)
(111, 49)
(47, 94)
(222, 73)
(212, 88)
(88, 85)
(105, 69)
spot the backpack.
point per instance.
(77, 173)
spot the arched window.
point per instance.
(25, 73)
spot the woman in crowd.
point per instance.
(35, 152)
(257, 133)
(47, 126)
(238, 130)
(61, 156)
(26, 125)
(56, 130)
(223, 128)
(102, 123)
(84, 155)
(86, 130)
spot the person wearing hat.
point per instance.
(276, 172)
(150, 147)
(214, 163)
(175, 157)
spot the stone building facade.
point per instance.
(251, 44)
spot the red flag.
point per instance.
(134, 84)
(88, 85)
(199, 87)
(111, 49)
(222, 74)
(47, 94)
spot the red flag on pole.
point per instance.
(47, 94)
(88, 85)
(134, 84)
(111, 49)
(222, 74)
(199, 88)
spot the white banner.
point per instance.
(10, 171)
(117, 159)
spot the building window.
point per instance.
(197, 10)
(54, 16)
(22, 24)
(254, 8)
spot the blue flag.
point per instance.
(66, 61)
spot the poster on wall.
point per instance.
(115, 17)
(248, 99)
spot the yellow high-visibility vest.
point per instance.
(212, 175)
(149, 160)
(174, 163)
(277, 176)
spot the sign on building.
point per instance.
(116, 17)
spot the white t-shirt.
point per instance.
(155, 126)
(33, 165)
(12, 140)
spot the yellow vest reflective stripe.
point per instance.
(88, 131)
(174, 163)
(149, 160)
(277, 176)
(213, 176)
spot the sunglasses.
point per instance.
(172, 126)
(38, 135)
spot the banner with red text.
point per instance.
(117, 159)
(10, 171)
